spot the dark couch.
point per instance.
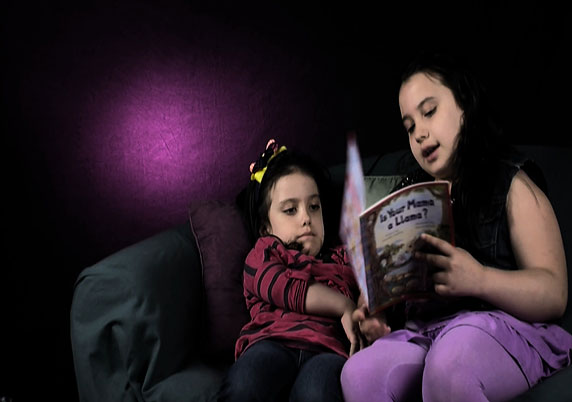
(157, 321)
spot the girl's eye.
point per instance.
(410, 129)
(315, 207)
(290, 211)
(431, 112)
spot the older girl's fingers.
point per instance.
(437, 260)
(442, 289)
(443, 246)
(439, 278)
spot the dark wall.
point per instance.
(116, 114)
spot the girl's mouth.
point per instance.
(428, 153)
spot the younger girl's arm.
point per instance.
(371, 326)
(273, 276)
(322, 300)
(538, 290)
(284, 279)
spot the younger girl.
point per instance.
(490, 337)
(300, 295)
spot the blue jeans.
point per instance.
(270, 371)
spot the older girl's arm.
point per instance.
(538, 289)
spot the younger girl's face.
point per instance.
(433, 120)
(295, 212)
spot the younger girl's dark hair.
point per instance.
(481, 145)
(255, 200)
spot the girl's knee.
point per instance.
(449, 377)
(467, 363)
(388, 373)
(354, 377)
(357, 370)
(319, 379)
(349, 372)
(350, 377)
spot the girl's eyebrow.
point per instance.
(424, 101)
(419, 107)
(287, 201)
(295, 200)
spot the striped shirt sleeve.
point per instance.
(277, 275)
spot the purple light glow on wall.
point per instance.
(148, 141)
(136, 120)
(164, 138)
(162, 132)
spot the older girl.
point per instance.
(490, 337)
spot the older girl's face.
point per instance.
(432, 120)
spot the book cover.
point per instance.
(390, 235)
(382, 239)
(353, 204)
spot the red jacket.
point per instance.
(276, 280)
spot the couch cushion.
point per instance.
(377, 187)
(223, 245)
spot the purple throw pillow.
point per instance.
(223, 245)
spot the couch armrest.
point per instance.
(554, 389)
(135, 317)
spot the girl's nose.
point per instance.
(305, 217)
(421, 134)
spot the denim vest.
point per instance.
(492, 246)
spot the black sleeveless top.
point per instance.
(490, 243)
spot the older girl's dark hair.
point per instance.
(255, 200)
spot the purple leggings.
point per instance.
(456, 362)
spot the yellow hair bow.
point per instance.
(258, 168)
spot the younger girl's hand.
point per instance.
(352, 331)
(371, 327)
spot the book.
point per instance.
(353, 204)
(381, 240)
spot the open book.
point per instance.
(382, 239)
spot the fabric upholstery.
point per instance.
(222, 241)
(377, 187)
(133, 318)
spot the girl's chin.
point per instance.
(312, 249)
(436, 170)
(441, 175)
